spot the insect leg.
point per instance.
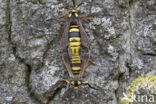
(65, 11)
(91, 85)
(62, 18)
(64, 80)
(73, 3)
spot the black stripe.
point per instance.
(73, 23)
(76, 71)
(74, 40)
(76, 65)
(73, 57)
(74, 34)
(74, 27)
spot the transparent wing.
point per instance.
(64, 39)
(84, 65)
(65, 59)
(84, 37)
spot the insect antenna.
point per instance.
(79, 6)
(92, 87)
(80, 3)
(73, 3)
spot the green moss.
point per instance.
(147, 82)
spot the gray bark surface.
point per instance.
(123, 47)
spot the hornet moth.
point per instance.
(74, 36)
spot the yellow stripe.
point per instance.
(75, 68)
(74, 38)
(69, 15)
(74, 43)
(73, 59)
(75, 88)
(76, 14)
(73, 26)
(74, 30)
(76, 61)
(76, 56)
(75, 48)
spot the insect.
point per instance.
(73, 37)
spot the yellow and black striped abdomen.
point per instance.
(74, 43)
(76, 64)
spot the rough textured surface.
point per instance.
(123, 47)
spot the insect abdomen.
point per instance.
(75, 42)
